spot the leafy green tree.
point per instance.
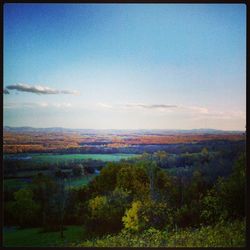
(155, 214)
(106, 211)
(226, 200)
(212, 208)
(61, 198)
(232, 190)
(78, 170)
(44, 188)
(164, 185)
(76, 206)
(147, 214)
(161, 157)
(205, 155)
(197, 186)
(131, 217)
(106, 180)
(150, 167)
(133, 180)
(24, 209)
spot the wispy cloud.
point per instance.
(194, 112)
(39, 89)
(159, 107)
(69, 92)
(136, 106)
(149, 106)
(218, 115)
(104, 105)
(192, 109)
(14, 105)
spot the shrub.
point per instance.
(149, 214)
(105, 212)
(230, 234)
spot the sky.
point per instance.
(125, 66)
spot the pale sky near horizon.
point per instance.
(125, 66)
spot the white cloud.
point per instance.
(218, 115)
(194, 112)
(13, 105)
(39, 89)
(104, 105)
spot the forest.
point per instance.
(191, 197)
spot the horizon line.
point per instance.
(58, 127)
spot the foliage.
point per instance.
(133, 180)
(147, 214)
(77, 170)
(230, 234)
(130, 219)
(24, 209)
(212, 208)
(142, 201)
(227, 198)
(187, 215)
(105, 181)
(147, 238)
(105, 212)
(155, 214)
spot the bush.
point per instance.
(105, 212)
(149, 214)
(230, 234)
(130, 219)
(148, 238)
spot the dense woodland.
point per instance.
(165, 198)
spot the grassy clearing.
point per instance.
(82, 181)
(35, 238)
(14, 184)
(59, 158)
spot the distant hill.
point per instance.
(27, 129)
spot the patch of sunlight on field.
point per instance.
(58, 158)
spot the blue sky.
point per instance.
(125, 66)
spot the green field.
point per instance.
(10, 184)
(43, 159)
(59, 158)
(77, 182)
(35, 238)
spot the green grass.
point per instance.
(82, 181)
(34, 237)
(13, 184)
(57, 158)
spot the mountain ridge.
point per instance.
(151, 131)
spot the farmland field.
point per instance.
(59, 158)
